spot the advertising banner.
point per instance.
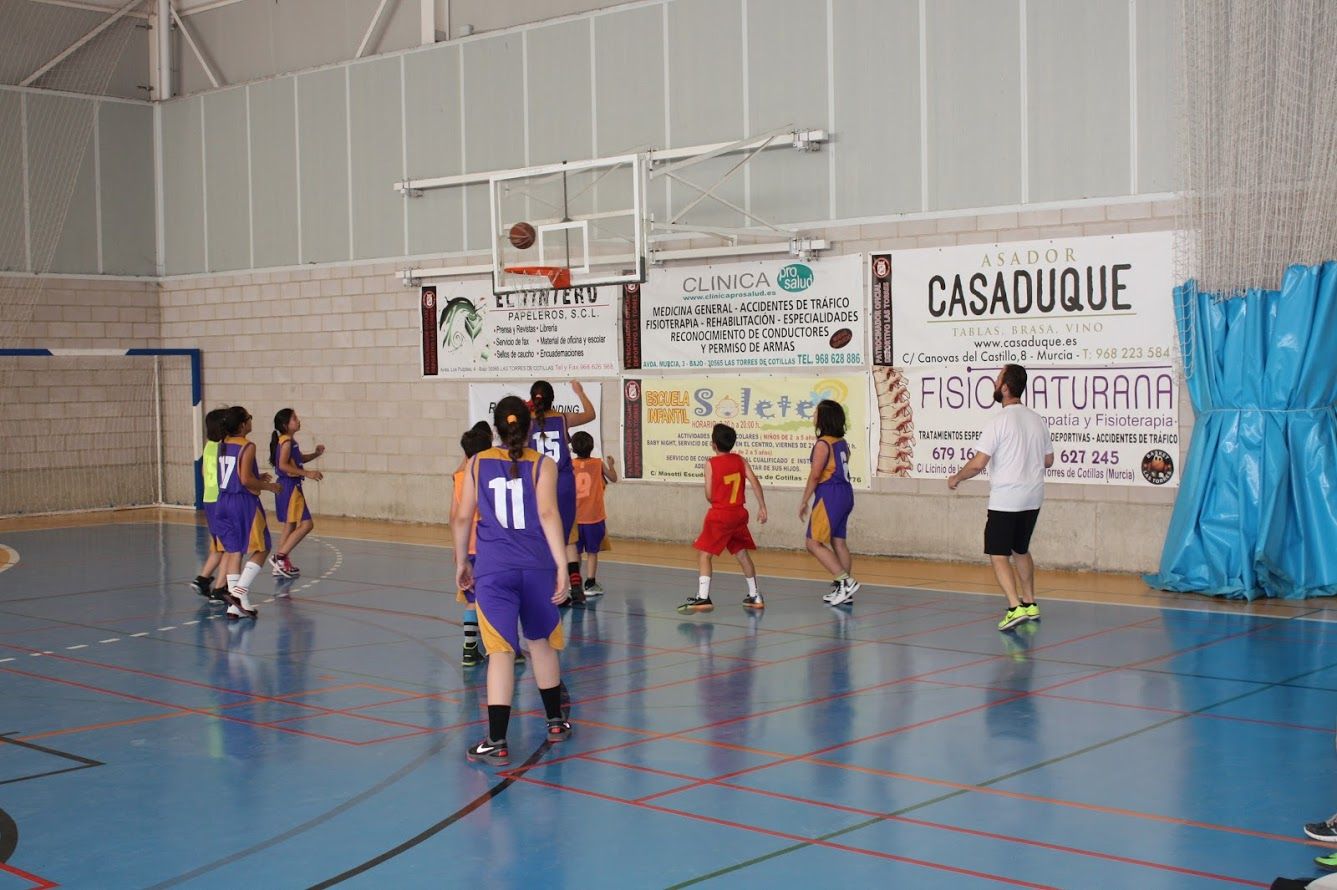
(1092, 321)
(483, 398)
(773, 313)
(469, 332)
(668, 420)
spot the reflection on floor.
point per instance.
(1129, 739)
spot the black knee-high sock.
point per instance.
(498, 721)
(573, 569)
(552, 701)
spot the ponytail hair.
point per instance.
(281, 421)
(511, 420)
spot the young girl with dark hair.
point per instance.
(550, 436)
(288, 461)
(204, 583)
(242, 526)
(517, 576)
(475, 440)
(832, 497)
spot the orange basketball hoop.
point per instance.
(557, 277)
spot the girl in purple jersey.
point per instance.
(517, 576)
(550, 435)
(832, 501)
(240, 516)
(289, 462)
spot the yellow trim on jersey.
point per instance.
(820, 530)
(258, 530)
(557, 639)
(216, 544)
(503, 454)
(296, 506)
(830, 469)
(493, 642)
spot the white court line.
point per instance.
(13, 558)
(142, 633)
(168, 627)
(80, 646)
(112, 640)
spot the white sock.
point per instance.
(752, 586)
(703, 587)
(249, 573)
(232, 582)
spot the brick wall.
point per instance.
(340, 345)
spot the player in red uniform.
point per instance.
(726, 520)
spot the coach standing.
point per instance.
(1016, 447)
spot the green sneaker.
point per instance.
(1013, 617)
(473, 656)
(1328, 862)
(1032, 611)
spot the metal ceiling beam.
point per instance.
(88, 6)
(195, 48)
(74, 47)
(371, 29)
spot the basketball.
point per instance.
(522, 235)
(841, 338)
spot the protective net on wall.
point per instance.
(1259, 115)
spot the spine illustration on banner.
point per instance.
(1090, 318)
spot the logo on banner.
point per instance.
(882, 267)
(633, 390)
(794, 278)
(460, 323)
(633, 288)
(428, 298)
(1158, 467)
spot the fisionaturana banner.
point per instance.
(739, 316)
(1090, 319)
(668, 420)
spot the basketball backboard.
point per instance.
(575, 224)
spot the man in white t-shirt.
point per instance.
(1017, 449)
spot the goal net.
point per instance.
(94, 430)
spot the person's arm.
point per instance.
(1049, 449)
(610, 469)
(320, 449)
(756, 489)
(289, 466)
(586, 412)
(973, 468)
(254, 484)
(709, 487)
(821, 453)
(550, 518)
(461, 522)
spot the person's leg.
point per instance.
(498, 604)
(843, 554)
(542, 626)
(826, 556)
(294, 535)
(753, 600)
(1002, 569)
(1026, 574)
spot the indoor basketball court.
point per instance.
(746, 323)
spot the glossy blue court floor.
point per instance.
(148, 742)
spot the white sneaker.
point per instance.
(239, 604)
(843, 594)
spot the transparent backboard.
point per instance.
(569, 225)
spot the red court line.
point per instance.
(1071, 804)
(38, 883)
(217, 715)
(255, 698)
(958, 829)
(973, 709)
(782, 835)
(1135, 707)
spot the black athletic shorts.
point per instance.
(1007, 533)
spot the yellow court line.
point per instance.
(884, 571)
